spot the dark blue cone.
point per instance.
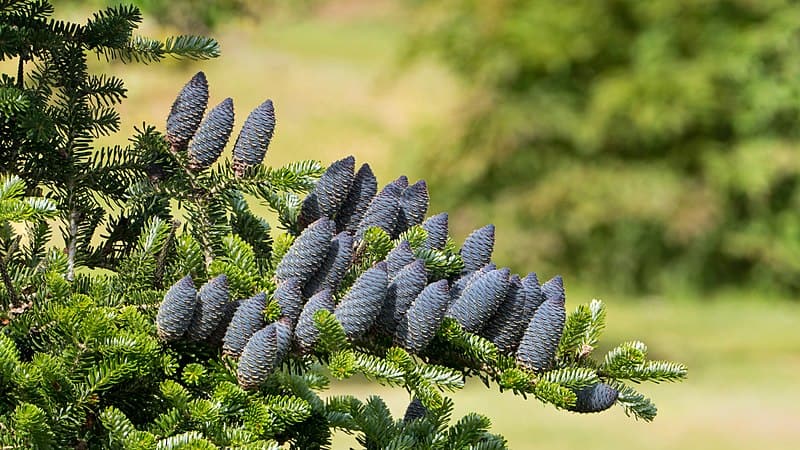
(334, 185)
(436, 227)
(212, 298)
(384, 209)
(477, 249)
(254, 138)
(307, 253)
(399, 257)
(413, 206)
(554, 287)
(290, 298)
(539, 344)
(263, 353)
(219, 332)
(424, 317)
(207, 144)
(187, 112)
(508, 324)
(480, 300)
(248, 318)
(359, 309)
(306, 332)
(402, 291)
(176, 310)
(334, 268)
(415, 410)
(595, 398)
(363, 189)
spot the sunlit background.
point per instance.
(649, 151)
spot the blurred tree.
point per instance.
(637, 143)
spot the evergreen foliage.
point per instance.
(138, 357)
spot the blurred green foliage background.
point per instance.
(647, 150)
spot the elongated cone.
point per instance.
(399, 257)
(254, 138)
(537, 350)
(509, 319)
(460, 284)
(384, 209)
(187, 112)
(309, 211)
(248, 318)
(480, 300)
(207, 144)
(363, 189)
(533, 294)
(334, 268)
(413, 206)
(424, 317)
(402, 291)
(595, 398)
(212, 298)
(218, 335)
(334, 186)
(290, 298)
(176, 311)
(307, 253)
(264, 352)
(477, 249)
(436, 227)
(554, 287)
(416, 410)
(306, 332)
(359, 309)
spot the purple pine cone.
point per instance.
(309, 211)
(362, 190)
(399, 257)
(334, 186)
(595, 398)
(537, 350)
(359, 309)
(176, 311)
(554, 287)
(415, 410)
(424, 317)
(533, 294)
(333, 270)
(402, 291)
(212, 298)
(306, 332)
(207, 144)
(187, 112)
(477, 249)
(307, 253)
(480, 300)
(248, 318)
(436, 227)
(254, 138)
(218, 335)
(264, 352)
(507, 325)
(460, 284)
(413, 206)
(290, 298)
(384, 209)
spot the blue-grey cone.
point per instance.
(436, 227)
(207, 144)
(307, 253)
(480, 300)
(176, 311)
(383, 211)
(334, 185)
(507, 325)
(460, 284)
(402, 291)
(248, 318)
(399, 257)
(254, 138)
(306, 332)
(533, 294)
(554, 287)
(424, 317)
(187, 112)
(363, 189)
(538, 346)
(289, 295)
(595, 398)
(415, 410)
(264, 352)
(477, 249)
(212, 298)
(360, 307)
(218, 335)
(334, 268)
(309, 211)
(413, 206)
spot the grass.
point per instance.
(334, 81)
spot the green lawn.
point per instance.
(336, 89)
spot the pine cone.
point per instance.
(384, 209)
(424, 317)
(253, 140)
(306, 254)
(537, 350)
(264, 352)
(334, 186)
(480, 300)
(399, 257)
(290, 298)
(176, 311)
(218, 335)
(507, 325)
(533, 294)
(595, 398)
(213, 296)
(413, 206)
(416, 410)
(309, 211)
(306, 332)
(362, 190)
(477, 249)
(359, 309)
(207, 144)
(248, 318)
(554, 287)
(333, 270)
(436, 227)
(187, 112)
(460, 284)
(402, 291)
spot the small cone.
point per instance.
(477, 249)
(264, 352)
(413, 206)
(402, 291)
(359, 309)
(384, 210)
(399, 257)
(290, 298)
(306, 332)
(333, 270)
(595, 398)
(480, 300)
(416, 410)
(537, 350)
(436, 227)
(187, 112)
(424, 317)
(254, 138)
(362, 190)
(213, 296)
(176, 311)
(334, 186)
(307, 253)
(207, 144)
(248, 318)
